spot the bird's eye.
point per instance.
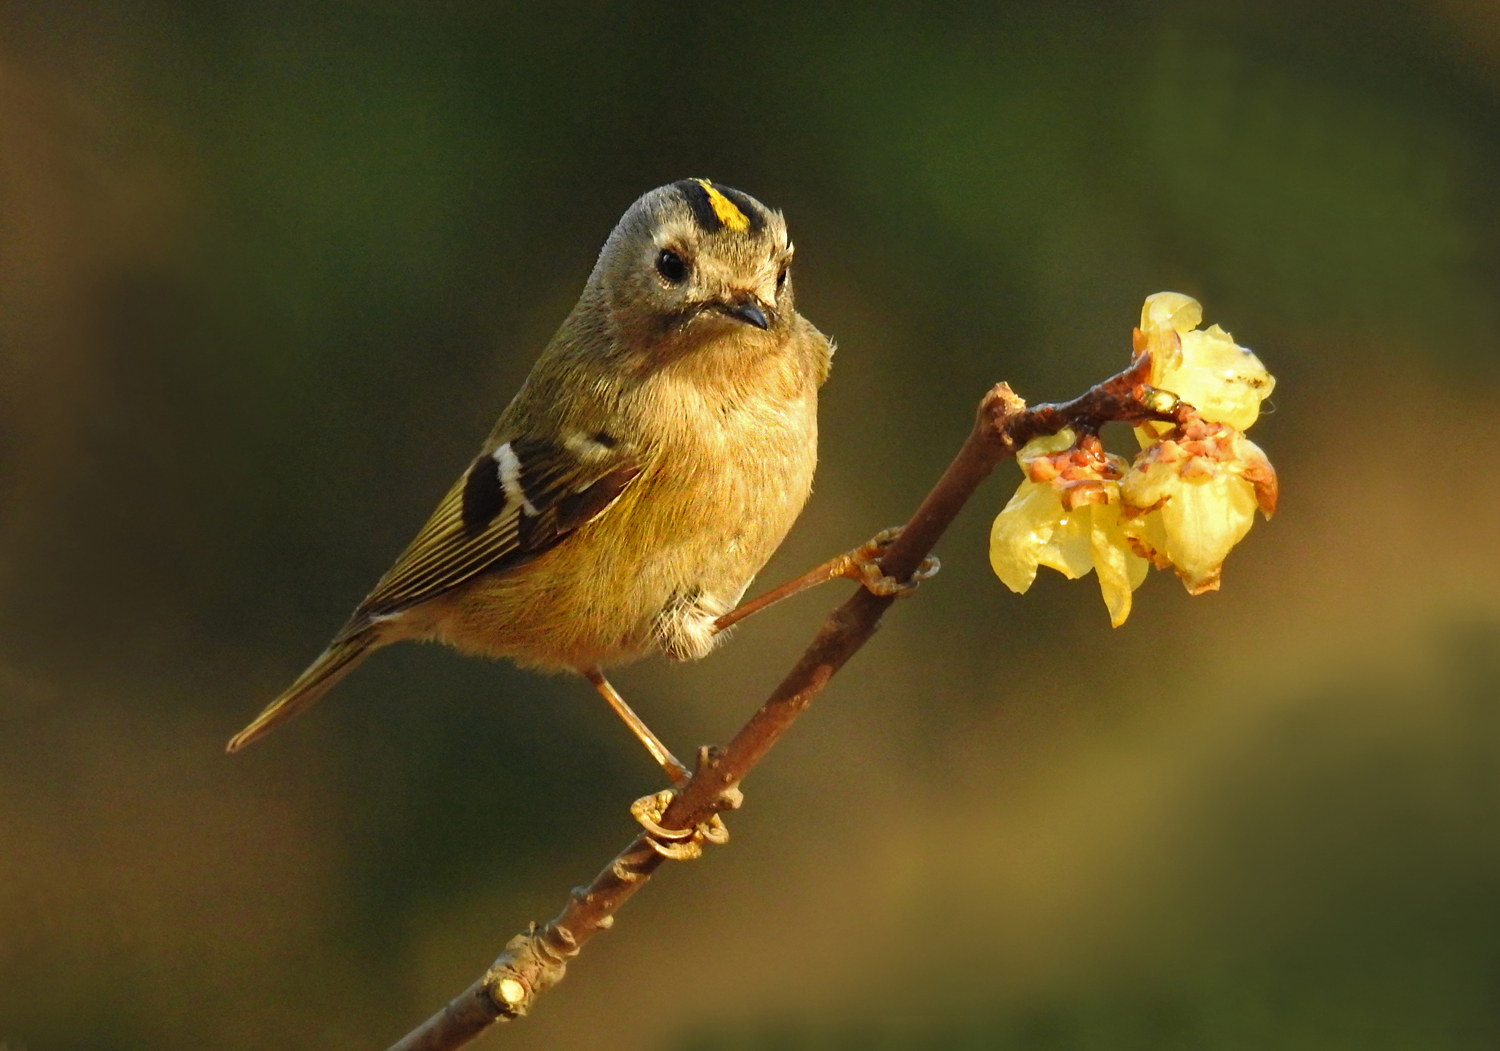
(671, 266)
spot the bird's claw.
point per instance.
(671, 843)
(864, 566)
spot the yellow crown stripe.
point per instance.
(724, 208)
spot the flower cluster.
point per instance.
(1186, 500)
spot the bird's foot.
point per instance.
(863, 565)
(676, 844)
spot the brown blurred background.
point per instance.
(269, 270)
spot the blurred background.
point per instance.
(269, 270)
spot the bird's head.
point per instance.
(694, 261)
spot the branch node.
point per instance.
(711, 768)
(999, 409)
(530, 965)
(585, 898)
(628, 868)
(1163, 403)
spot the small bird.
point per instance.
(650, 465)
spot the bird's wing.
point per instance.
(510, 506)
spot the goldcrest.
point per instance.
(653, 460)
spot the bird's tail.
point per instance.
(336, 661)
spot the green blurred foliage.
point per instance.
(268, 271)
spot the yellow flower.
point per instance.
(1066, 515)
(1188, 498)
(1192, 496)
(1225, 382)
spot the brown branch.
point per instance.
(534, 961)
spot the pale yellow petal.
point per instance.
(1149, 481)
(1223, 381)
(1170, 310)
(1164, 317)
(1069, 550)
(1137, 567)
(1150, 537)
(1120, 570)
(1020, 533)
(1203, 521)
(1149, 433)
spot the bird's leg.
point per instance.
(861, 564)
(675, 770)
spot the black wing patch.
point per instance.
(484, 494)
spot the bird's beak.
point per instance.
(749, 311)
